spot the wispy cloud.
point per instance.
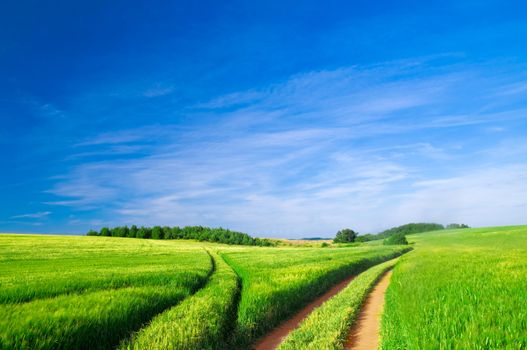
(487, 196)
(366, 147)
(39, 215)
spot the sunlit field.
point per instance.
(460, 289)
(104, 292)
(80, 292)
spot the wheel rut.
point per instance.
(273, 339)
(197, 288)
(365, 333)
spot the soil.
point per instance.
(365, 333)
(277, 335)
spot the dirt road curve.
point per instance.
(277, 335)
(365, 334)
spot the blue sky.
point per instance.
(277, 118)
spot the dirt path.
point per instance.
(277, 335)
(365, 334)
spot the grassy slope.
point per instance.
(328, 326)
(92, 313)
(460, 289)
(278, 282)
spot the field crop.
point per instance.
(328, 326)
(104, 292)
(83, 292)
(36, 266)
(460, 289)
(278, 282)
(202, 321)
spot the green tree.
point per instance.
(105, 231)
(118, 232)
(398, 238)
(366, 237)
(167, 232)
(454, 226)
(345, 236)
(125, 231)
(157, 232)
(141, 233)
(133, 231)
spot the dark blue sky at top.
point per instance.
(95, 94)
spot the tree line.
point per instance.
(200, 233)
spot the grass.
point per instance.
(278, 282)
(201, 321)
(327, 327)
(102, 292)
(460, 289)
(36, 266)
(56, 311)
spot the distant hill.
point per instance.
(315, 239)
(411, 228)
(406, 229)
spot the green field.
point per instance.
(104, 292)
(456, 289)
(328, 326)
(68, 292)
(460, 289)
(277, 282)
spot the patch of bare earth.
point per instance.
(365, 333)
(277, 335)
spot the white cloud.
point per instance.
(310, 155)
(39, 215)
(484, 197)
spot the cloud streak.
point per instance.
(367, 147)
(39, 215)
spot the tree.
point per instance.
(201, 233)
(125, 231)
(167, 232)
(133, 231)
(396, 239)
(118, 232)
(177, 232)
(365, 237)
(148, 232)
(157, 232)
(93, 233)
(141, 233)
(345, 236)
(455, 226)
(105, 231)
